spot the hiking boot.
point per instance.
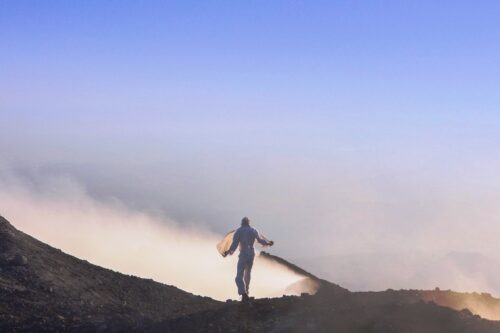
(245, 298)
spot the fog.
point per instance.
(163, 221)
(58, 211)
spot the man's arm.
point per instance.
(234, 244)
(262, 240)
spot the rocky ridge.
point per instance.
(44, 289)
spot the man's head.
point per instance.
(245, 221)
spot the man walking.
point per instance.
(245, 236)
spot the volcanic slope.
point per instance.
(44, 289)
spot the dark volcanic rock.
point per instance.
(19, 260)
(45, 290)
(54, 291)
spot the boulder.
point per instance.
(19, 260)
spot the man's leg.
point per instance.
(239, 275)
(247, 273)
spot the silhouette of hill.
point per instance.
(44, 289)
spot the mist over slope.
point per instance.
(111, 235)
(58, 200)
(461, 271)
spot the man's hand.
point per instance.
(271, 243)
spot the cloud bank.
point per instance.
(58, 211)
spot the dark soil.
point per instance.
(44, 289)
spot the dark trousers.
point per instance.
(245, 263)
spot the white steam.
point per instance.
(61, 213)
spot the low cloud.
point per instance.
(57, 210)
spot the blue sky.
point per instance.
(199, 106)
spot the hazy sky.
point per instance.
(336, 125)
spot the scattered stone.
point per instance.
(19, 260)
